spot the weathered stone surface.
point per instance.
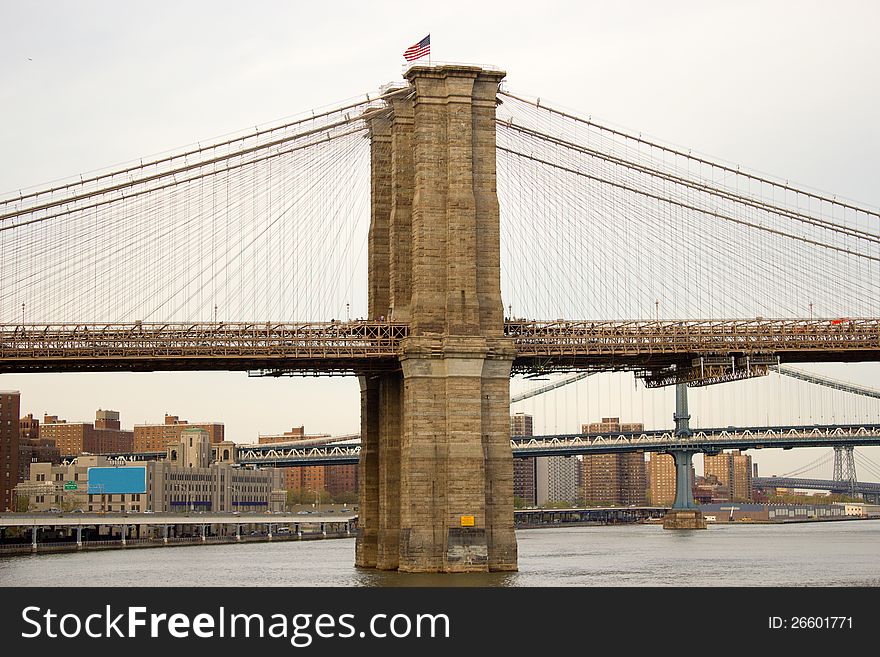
(368, 494)
(380, 214)
(444, 473)
(390, 408)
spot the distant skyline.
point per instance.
(91, 84)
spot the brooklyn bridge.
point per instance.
(502, 236)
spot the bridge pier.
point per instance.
(79, 537)
(684, 514)
(436, 467)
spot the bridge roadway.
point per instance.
(363, 346)
(701, 440)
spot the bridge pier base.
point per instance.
(684, 514)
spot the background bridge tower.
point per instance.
(436, 465)
(845, 468)
(684, 514)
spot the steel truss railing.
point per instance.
(358, 345)
(702, 440)
(574, 338)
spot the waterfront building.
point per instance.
(45, 487)
(74, 438)
(613, 479)
(524, 470)
(190, 478)
(734, 470)
(749, 512)
(157, 437)
(10, 430)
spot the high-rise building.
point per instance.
(524, 470)
(75, 438)
(613, 478)
(10, 429)
(157, 437)
(557, 479)
(661, 479)
(734, 470)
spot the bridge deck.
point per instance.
(358, 346)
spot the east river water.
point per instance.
(808, 554)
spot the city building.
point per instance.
(156, 437)
(312, 480)
(524, 470)
(613, 479)
(189, 479)
(29, 427)
(35, 450)
(734, 470)
(749, 512)
(557, 479)
(297, 433)
(65, 487)
(341, 481)
(661, 479)
(75, 438)
(708, 490)
(10, 405)
(308, 480)
(32, 448)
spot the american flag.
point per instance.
(418, 50)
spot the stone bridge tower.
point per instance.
(436, 466)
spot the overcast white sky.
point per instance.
(784, 88)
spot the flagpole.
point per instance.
(429, 49)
